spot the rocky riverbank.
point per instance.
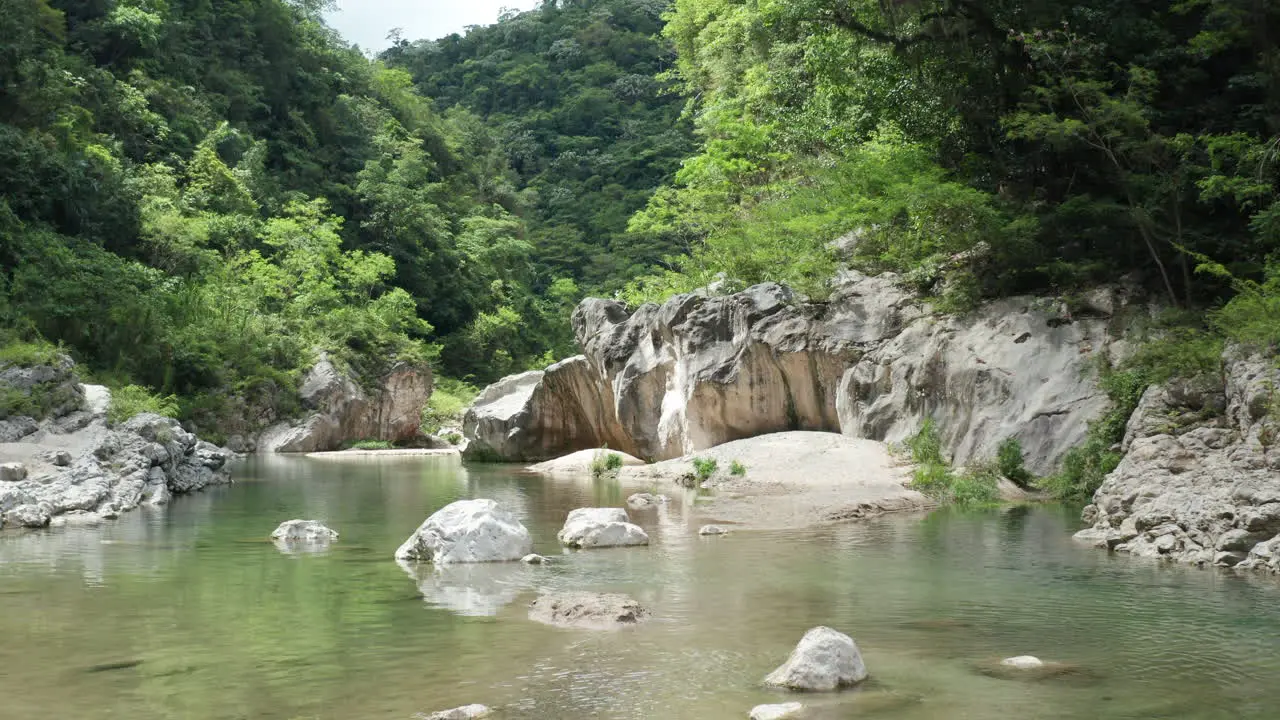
(72, 465)
(1200, 478)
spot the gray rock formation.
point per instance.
(824, 660)
(645, 501)
(542, 415)
(142, 462)
(712, 530)
(468, 531)
(1200, 479)
(695, 372)
(587, 610)
(304, 531)
(342, 411)
(780, 711)
(600, 527)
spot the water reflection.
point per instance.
(192, 613)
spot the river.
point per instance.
(188, 614)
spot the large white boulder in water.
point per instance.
(824, 660)
(468, 531)
(601, 527)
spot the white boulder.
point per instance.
(824, 660)
(1023, 662)
(304, 531)
(466, 712)
(13, 472)
(601, 527)
(712, 530)
(468, 531)
(780, 711)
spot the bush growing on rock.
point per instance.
(704, 468)
(737, 469)
(1010, 462)
(933, 475)
(132, 400)
(605, 464)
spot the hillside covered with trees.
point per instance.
(194, 198)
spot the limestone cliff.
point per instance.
(874, 361)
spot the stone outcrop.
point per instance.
(541, 415)
(600, 527)
(824, 660)
(588, 610)
(1200, 479)
(668, 380)
(142, 462)
(342, 411)
(467, 531)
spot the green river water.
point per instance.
(188, 614)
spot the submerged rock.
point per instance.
(711, 530)
(466, 712)
(824, 660)
(644, 501)
(780, 711)
(304, 531)
(601, 527)
(592, 611)
(534, 559)
(468, 531)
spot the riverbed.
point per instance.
(189, 613)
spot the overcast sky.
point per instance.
(367, 22)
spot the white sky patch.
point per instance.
(367, 22)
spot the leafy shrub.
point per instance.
(704, 468)
(1085, 467)
(934, 477)
(131, 400)
(453, 438)
(605, 464)
(737, 469)
(449, 401)
(371, 445)
(27, 354)
(1009, 461)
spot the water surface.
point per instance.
(189, 614)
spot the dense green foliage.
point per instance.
(704, 468)
(984, 147)
(1009, 462)
(605, 465)
(130, 400)
(934, 476)
(196, 198)
(573, 99)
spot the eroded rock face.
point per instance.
(542, 415)
(591, 611)
(342, 411)
(468, 531)
(1012, 369)
(696, 372)
(1200, 479)
(824, 660)
(601, 527)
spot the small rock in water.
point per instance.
(534, 559)
(1023, 662)
(309, 531)
(711, 530)
(593, 611)
(601, 527)
(824, 660)
(776, 712)
(13, 472)
(641, 501)
(466, 712)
